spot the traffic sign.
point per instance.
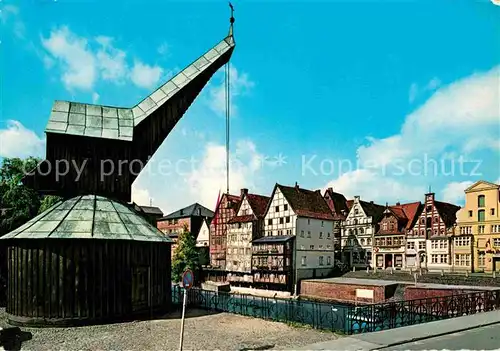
(187, 279)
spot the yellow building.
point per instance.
(477, 236)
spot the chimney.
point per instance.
(296, 185)
(371, 202)
(244, 191)
(398, 203)
(182, 212)
(330, 189)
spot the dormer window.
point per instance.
(356, 211)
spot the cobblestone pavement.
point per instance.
(222, 331)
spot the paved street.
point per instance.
(485, 338)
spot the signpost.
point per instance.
(187, 283)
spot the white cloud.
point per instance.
(453, 117)
(462, 117)
(415, 90)
(371, 186)
(9, 16)
(454, 192)
(164, 49)
(18, 141)
(145, 76)
(77, 60)
(111, 61)
(83, 62)
(141, 196)
(240, 84)
(210, 177)
(95, 97)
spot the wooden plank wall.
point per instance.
(83, 279)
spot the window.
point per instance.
(356, 211)
(470, 213)
(320, 260)
(421, 245)
(308, 221)
(429, 209)
(496, 242)
(301, 233)
(369, 241)
(328, 246)
(361, 230)
(481, 260)
(287, 219)
(321, 247)
(270, 221)
(495, 228)
(303, 260)
(329, 260)
(492, 211)
(328, 235)
(391, 226)
(384, 226)
(277, 209)
(285, 207)
(480, 201)
(322, 223)
(462, 241)
(462, 260)
(444, 259)
(480, 215)
(410, 245)
(362, 242)
(282, 220)
(480, 229)
(321, 235)
(311, 247)
(308, 233)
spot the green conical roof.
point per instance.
(89, 217)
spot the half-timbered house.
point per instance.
(340, 208)
(297, 241)
(225, 210)
(431, 235)
(246, 226)
(389, 247)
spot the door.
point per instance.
(496, 264)
(140, 288)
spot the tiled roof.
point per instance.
(306, 203)
(151, 210)
(412, 211)
(337, 204)
(272, 239)
(447, 211)
(242, 219)
(89, 217)
(406, 215)
(372, 209)
(190, 211)
(258, 203)
(119, 122)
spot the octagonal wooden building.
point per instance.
(92, 258)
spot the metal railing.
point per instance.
(343, 318)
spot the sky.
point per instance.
(381, 99)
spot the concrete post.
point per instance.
(494, 274)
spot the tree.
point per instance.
(186, 256)
(47, 202)
(18, 203)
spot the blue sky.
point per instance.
(377, 87)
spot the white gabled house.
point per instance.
(298, 239)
